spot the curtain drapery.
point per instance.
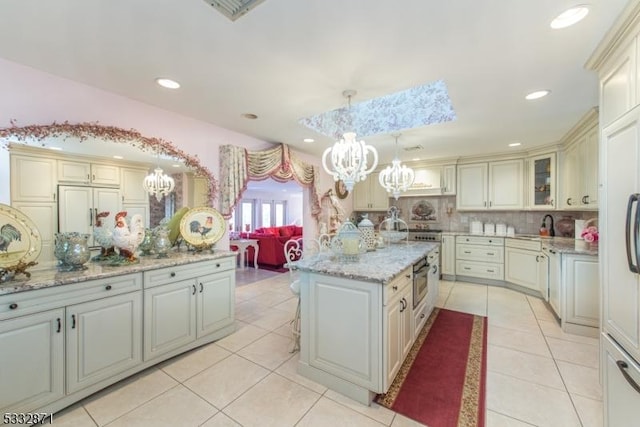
(238, 166)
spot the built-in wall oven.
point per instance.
(426, 273)
(421, 235)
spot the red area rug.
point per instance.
(442, 383)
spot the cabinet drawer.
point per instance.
(166, 275)
(531, 245)
(480, 269)
(28, 302)
(397, 285)
(480, 240)
(480, 253)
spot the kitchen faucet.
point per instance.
(551, 231)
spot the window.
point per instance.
(258, 213)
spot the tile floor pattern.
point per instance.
(537, 375)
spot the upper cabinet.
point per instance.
(618, 84)
(542, 182)
(493, 185)
(432, 180)
(23, 185)
(132, 189)
(369, 195)
(449, 179)
(88, 173)
(579, 166)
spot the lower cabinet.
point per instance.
(582, 290)
(480, 257)
(620, 379)
(398, 317)
(448, 254)
(525, 265)
(60, 344)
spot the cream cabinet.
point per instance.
(449, 180)
(580, 166)
(542, 182)
(45, 216)
(582, 290)
(70, 171)
(553, 278)
(33, 349)
(135, 200)
(494, 185)
(522, 263)
(480, 257)
(620, 379)
(80, 208)
(24, 186)
(369, 195)
(398, 312)
(448, 255)
(182, 305)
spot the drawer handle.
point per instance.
(422, 316)
(622, 365)
(395, 288)
(490, 271)
(490, 253)
(73, 321)
(13, 306)
(59, 325)
(108, 287)
(467, 252)
(408, 276)
(201, 287)
(194, 289)
(172, 274)
(467, 268)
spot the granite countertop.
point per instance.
(49, 277)
(381, 265)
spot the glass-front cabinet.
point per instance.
(542, 181)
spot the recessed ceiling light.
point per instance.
(168, 83)
(118, 157)
(415, 159)
(176, 165)
(250, 116)
(55, 148)
(515, 144)
(537, 94)
(308, 140)
(570, 16)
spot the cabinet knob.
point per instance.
(13, 306)
(395, 288)
(218, 265)
(108, 287)
(569, 202)
(422, 316)
(172, 274)
(408, 276)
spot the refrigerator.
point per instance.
(619, 252)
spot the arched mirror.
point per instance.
(66, 177)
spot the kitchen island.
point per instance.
(66, 335)
(357, 319)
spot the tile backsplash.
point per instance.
(446, 217)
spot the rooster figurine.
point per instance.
(127, 238)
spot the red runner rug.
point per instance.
(442, 383)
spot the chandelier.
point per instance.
(158, 183)
(349, 157)
(396, 178)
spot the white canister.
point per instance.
(511, 232)
(368, 235)
(501, 229)
(580, 225)
(489, 229)
(476, 227)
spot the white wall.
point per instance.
(30, 96)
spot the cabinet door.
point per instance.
(621, 288)
(406, 322)
(521, 267)
(169, 317)
(361, 196)
(619, 375)
(105, 174)
(618, 86)
(449, 179)
(75, 209)
(582, 288)
(506, 184)
(590, 171)
(45, 216)
(570, 175)
(555, 295)
(24, 187)
(378, 195)
(107, 200)
(70, 171)
(216, 302)
(393, 322)
(133, 209)
(542, 182)
(34, 377)
(543, 275)
(132, 190)
(104, 338)
(472, 186)
(448, 254)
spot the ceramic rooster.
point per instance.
(127, 238)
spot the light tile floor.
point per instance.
(537, 375)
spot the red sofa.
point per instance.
(271, 241)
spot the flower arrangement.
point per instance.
(590, 234)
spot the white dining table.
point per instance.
(243, 245)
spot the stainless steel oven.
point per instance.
(421, 235)
(420, 285)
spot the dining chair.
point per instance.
(293, 252)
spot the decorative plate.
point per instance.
(20, 240)
(202, 226)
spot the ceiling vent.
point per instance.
(413, 148)
(233, 9)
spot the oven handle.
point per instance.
(423, 267)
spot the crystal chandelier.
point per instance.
(157, 183)
(396, 177)
(349, 157)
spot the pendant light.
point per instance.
(158, 183)
(349, 157)
(396, 178)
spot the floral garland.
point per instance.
(84, 130)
